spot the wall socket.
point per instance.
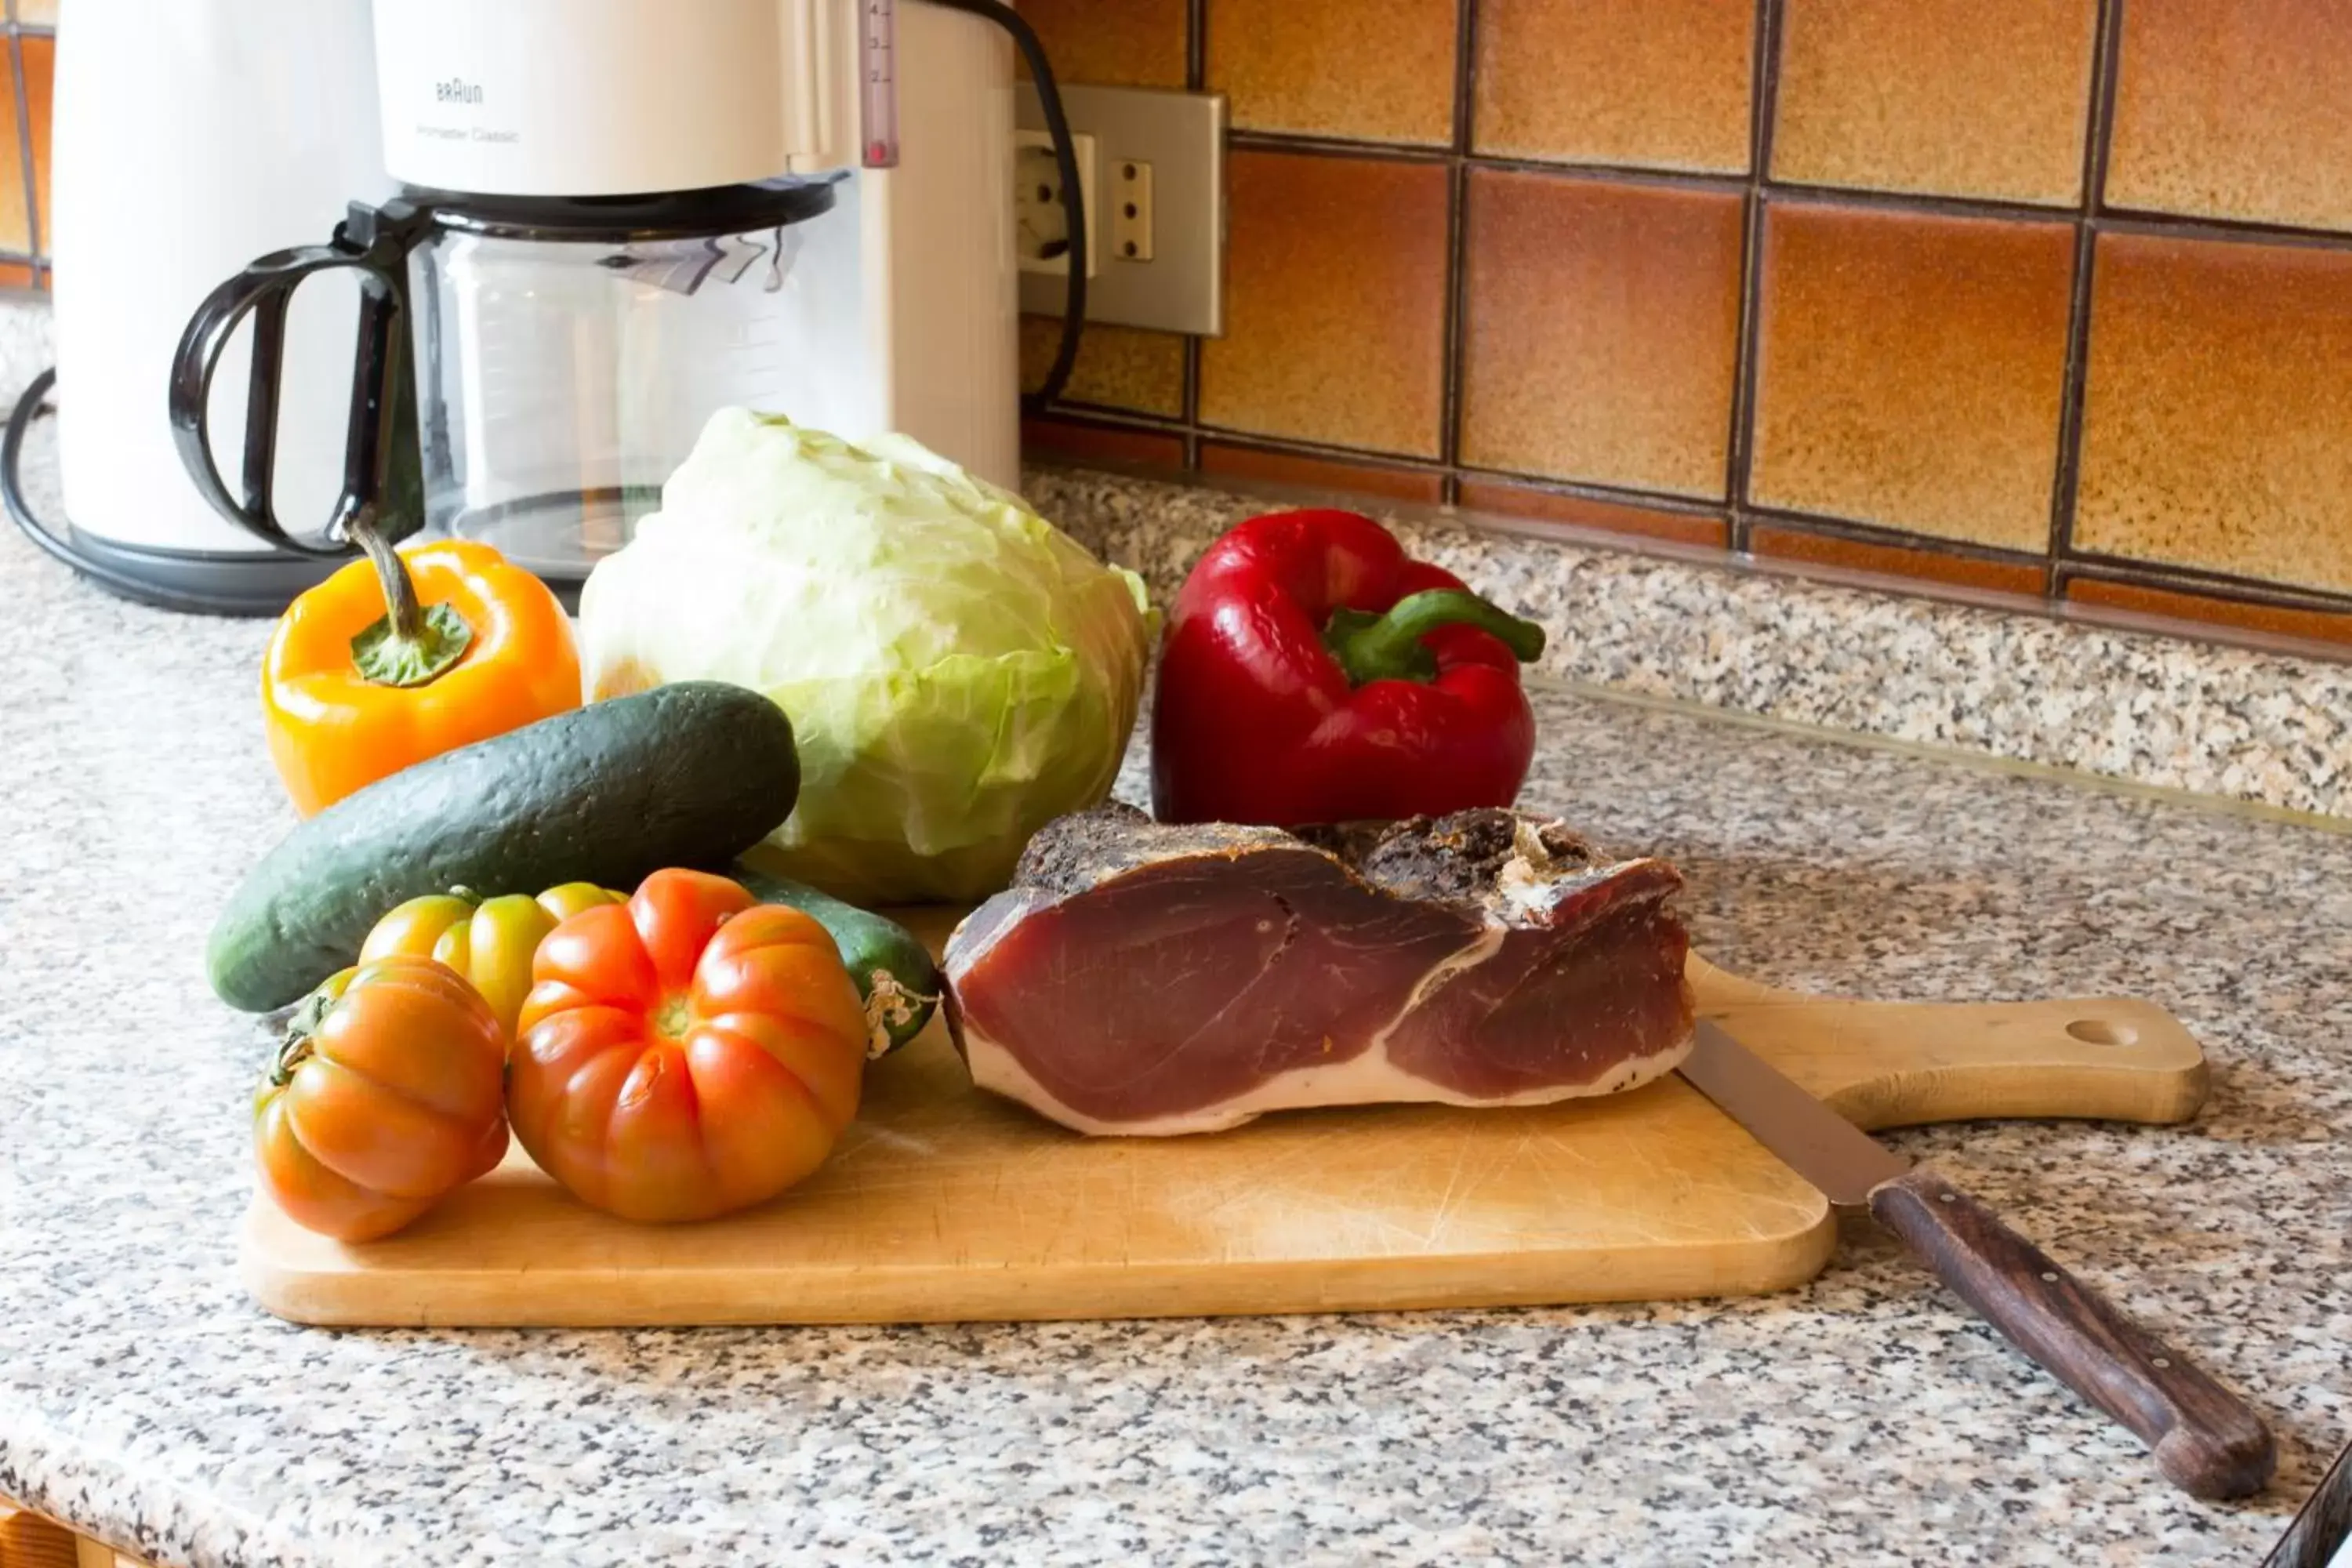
(1041, 218)
(1152, 165)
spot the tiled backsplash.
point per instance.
(2051, 297)
(24, 78)
(2046, 297)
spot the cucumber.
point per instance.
(689, 774)
(895, 972)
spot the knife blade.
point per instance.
(2206, 1441)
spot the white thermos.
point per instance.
(189, 138)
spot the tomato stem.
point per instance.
(294, 1047)
(673, 1017)
(292, 1052)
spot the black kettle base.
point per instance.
(239, 582)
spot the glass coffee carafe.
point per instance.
(528, 370)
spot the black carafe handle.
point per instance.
(374, 243)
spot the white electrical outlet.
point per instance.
(1154, 171)
(1041, 216)
(1131, 211)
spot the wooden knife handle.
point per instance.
(2206, 1441)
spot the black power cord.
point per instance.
(1074, 197)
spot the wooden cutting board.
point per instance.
(944, 1204)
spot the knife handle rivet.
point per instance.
(2160, 1363)
(1949, 1197)
(2050, 1276)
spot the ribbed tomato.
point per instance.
(385, 1097)
(687, 1054)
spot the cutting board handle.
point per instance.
(1896, 1064)
(2206, 1441)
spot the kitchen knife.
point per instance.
(2206, 1441)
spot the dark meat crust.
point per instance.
(1459, 860)
(1071, 854)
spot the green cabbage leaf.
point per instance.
(958, 671)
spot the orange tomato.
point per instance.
(386, 1097)
(685, 1054)
(334, 729)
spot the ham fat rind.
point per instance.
(1142, 978)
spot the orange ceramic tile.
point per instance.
(1061, 438)
(40, 72)
(1335, 303)
(1601, 330)
(16, 202)
(2216, 407)
(1965, 98)
(2279, 620)
(1910, 369)
(1118, 367)
(1529, 504)
(15, 275)
(1113, 43)
(1776, 542)
(1336, 68)
(1651, 83)
(1315, 473)
(2235, 108)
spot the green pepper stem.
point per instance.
(414, 643)
(1387, 647)
(399, 605)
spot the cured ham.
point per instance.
(1147, 978)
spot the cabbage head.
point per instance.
(958, 671)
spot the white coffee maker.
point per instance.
(611, 218)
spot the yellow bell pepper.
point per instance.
(490, 941)
(406, 655)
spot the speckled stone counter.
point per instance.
(2262, 725)
(1863, 1419)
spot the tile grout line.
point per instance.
(2098, 131)
(1293, 446)
(2098, 566)
(1453, 340)
(1454, 334)
(1306, 146)
(1189, 415)
(2218, 230)
(1924, 203)
(1196, 76)
(2140, 574)
(1586, 490)
(1739, 447)
(25, 170)
(1822, 525)
(35, 270)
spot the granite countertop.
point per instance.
(1862, 1419)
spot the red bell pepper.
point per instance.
(1313, 672)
